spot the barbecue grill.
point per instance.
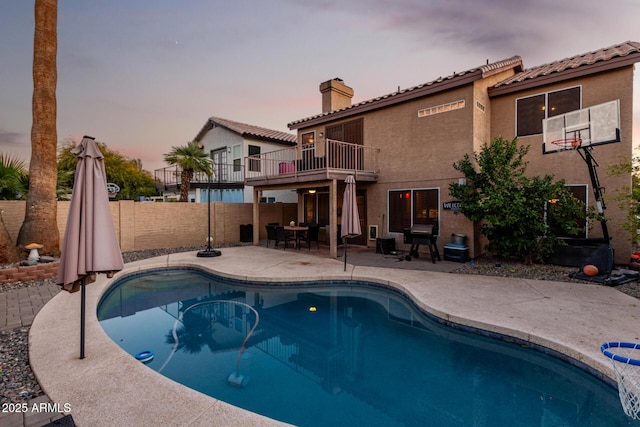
(422, 234)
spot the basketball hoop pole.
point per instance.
(585, 153)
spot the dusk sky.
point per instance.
(144, 75)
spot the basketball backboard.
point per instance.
(595, 125)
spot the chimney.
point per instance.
(335, 95)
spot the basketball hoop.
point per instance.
(627, 372)
(112, 189)
(567, 143)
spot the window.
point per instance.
(530, 111)
(308, 138)
(347, 132)
(237, 158)
(341, 156)
(219, 158)
(254, 164)
(409, 207)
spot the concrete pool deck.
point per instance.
(109, 387)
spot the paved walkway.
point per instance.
(18, 308)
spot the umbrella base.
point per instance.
(209, 253)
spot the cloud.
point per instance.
(12, 138)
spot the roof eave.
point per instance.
(427, 90)
(212, 121)
(572, 73)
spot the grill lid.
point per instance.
(424, 229)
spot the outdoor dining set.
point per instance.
(293, 234)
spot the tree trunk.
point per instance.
(185, 176)
(40, 221)
(9, 253)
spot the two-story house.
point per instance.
(228, 143)
(401, 146)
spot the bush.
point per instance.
(521, 216)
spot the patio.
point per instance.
(110, 387)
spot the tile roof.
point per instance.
(599, 60)
(439, 84)
(247, 130)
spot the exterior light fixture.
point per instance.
(312, 191)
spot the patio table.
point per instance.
(296, 229)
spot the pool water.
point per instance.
(342, 354)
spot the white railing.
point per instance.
(330, 155)
(222, 173)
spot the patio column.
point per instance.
(256, 217)
(333, 218)
(301, 215)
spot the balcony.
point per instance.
(312, 162)
(224, 176)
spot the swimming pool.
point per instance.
(341, 353)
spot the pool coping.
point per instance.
(110, 387)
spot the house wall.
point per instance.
(141, 226)
(416, 153)
(419, 152)
(220, 137)
(596, 89)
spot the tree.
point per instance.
(189, 158)
(628, 199)
(518, 219)
(13, 176)
(124, 172)
(40, 220)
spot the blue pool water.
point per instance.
(342, 354)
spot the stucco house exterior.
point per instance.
(401, 146)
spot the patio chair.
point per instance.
(311, 236)
(271, 234)
(284, 236)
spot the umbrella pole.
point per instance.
(209, 252)
(82, 309)
(345, 253)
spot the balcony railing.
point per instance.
(223, 173)
(330, 156)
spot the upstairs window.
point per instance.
(254, 164)
(308, 138)
(351, 132)
(237, 158)
(530, 111)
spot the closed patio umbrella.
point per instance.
(90, 244)
(350, 215)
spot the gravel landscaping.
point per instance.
(18, 383)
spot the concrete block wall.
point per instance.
(141, 226)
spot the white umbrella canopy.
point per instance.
(90, 244)
(350, 216)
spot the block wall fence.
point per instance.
(143, 226)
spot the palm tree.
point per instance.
(40, 222)
(13, 176)
(189, 158)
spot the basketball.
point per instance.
(590, 270)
